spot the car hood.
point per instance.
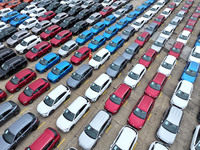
(20, 48)
(74, 30)
(188, 78)
(106, 35)
(30, 54)
(85, 141)
(89, 20)
(2, 73)
(13, 23)
(174, 54)
(10, 86)
(151, 92)
(11, 41)
(72, 83)
(127, 56)
(79, 40)
(23, 98)
(136, 121)
(42, 108)
(89, 93)
(75, 59)
(144, 62)
(22, 27)
(156, 48)
(111, 72)
(130, 81)
(4, 145)
(52, 76)
(62, 52)
(116, 15)
(110, 48)
(35, 30)
(55, 41)
(63, 123)
(125, 37)
(94, 63)
(112, 107)
(44, 35)
(179, 102)
(54, 20)
(40, 67)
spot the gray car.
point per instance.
(80, 75)
(127, 33)
(116, 67)
(170, 125)
(181, 14)
(175, 22)
(152, 28)
(87, 4)
(44, 3)
(159, 43)
(131, 51)
(17, 131)
(68, 48)
(128, 7)
(59, 18)
(40, 27)
(94, 18)
(116, 5)
(1, 45)
(120, 13)
(17, 37)
(94, 130)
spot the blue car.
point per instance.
(190, 72)
(47, 62)
(110, 32)
(131, 16)
(152, 1)
(197, 43)
(19, 20)
(59, 71)
(10, 16)
(147, 4)
(109, 20)
(115, 44)
(84, 37)
(140, 9)
(97, 42)
(121, 23)
(98, 27)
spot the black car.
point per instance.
(68, 22)
(96, 8)
(17, 131)
(83, 14)
(8, 110)
(79, 27)
(20, 6)
(75, 10)
(53, 6)
(7, 32)
(12, 66)
(6, 54)
(62, 8)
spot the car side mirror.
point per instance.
(190, 98)
(99, 136)
(178, 130)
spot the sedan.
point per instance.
(50, 32)
(176, 50)
(184, 36)
(94, 18)
(3, 95)
(97, 42)
(142, 38)
(166, 12)
(106, 11)
(115, 44)
(159, 19)
(110, 32)
(195, 54)
(148, 58)
(122, 23)
(109, 20)
(84, 37)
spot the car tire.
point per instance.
(36, 58)
(58, 80)
(31, 101)
(17, 89)
(6, 76)
(56, 145)
(48, 38)
(16, 113)
(90, 74)
(24, 66)
(45, 70)
(35, 127)
(49, 50)
(51, 112)
(47, 88)
(34, 78)
(3, 99)
(59, 44)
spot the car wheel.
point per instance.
(51, 112)
(36, 58)
(3, 99)
(6, 76)
(35, 127)
(30, 102)
(58, 61)
(47, 88)
(59, 44)
(56, 145)
(17, 89)
(16, 113)
(48, 38)
(25, 51)
(45, 70)
(34, 78)
(90, 74)
(99, 66)
(49, 50)
(58, 80)
(13, 148)
(78, 85)
(108, 57)
(24, 66)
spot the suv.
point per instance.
(6, 54)
(80, 75)
(159, 43)
(79, 27)
(7, 32)
(157, 146)
(131, 51)
(94, 130)
(40, 27)
(15, 133)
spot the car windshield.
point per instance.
(25, 23)
(81, 13)
(106, 1)
(82, 36)
(14, 80)
(47, 31)
(114, 67)
(95, 27)
(158, 20)
(14, 37)
(108, 31)
(23, 43)
(140, 38)
(95, 87)
(129, 51)
(165, 12)
(7, 16)
(173, 22)
(92, 17)
(113, 44)
(118, 12)
(140, 113)
(104, 10)
(115, 99)
(133, 75)
(193, 18)
(182, 95)
(146, 16)
(191, 72)
(120, 23)
(189, 26)
(25, 8)
(95, 42)
(170, 127)
(195, 54)
(166, 32)
(28, 91)
(38, 26)
(55, 71)
(5, 67)
(176, 50)
(155, 86)
(58, 37)
(156, 43)
(138, 9)
(48, 101)
(183, 37)
(150, 28)
(184, 8)
(167, 65)
(77, 54)
(91, 132)
(171, 6)
(44, 16)
(97, 58)
(66, 21)
(34, 50)
(130, 15)
(115, 4)
(198, 11)
(153, 9)
(57, 17)
(108, 19)
(125, 32)
(188, 2)
(115, 147)
(68, 115)
(43, 61)
(65, 48)
(35, 12)
(159, 3)
(179, 15)
(147, 58)
(137, 23)
(76, 76)
(8, 136)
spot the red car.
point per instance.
(172, 6)
(33, 91)
(12, 4)
(80, 55)
(176, 49)
(48, 140)
(117, 99)
(50, 32)
(189, 2)
(185, 8)
(189, 26)
(106, 11)
(141, 112)
(156, 85)
(5, 2)
(197, 11)
(61, 38)
(148, 58)
(20, 79)
(193, 18)
(159, 19)
(142, 38)
(3, 95)
(38, 51)
(47, 16)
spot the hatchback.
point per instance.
(131, 16)
(142, 38)
(148, 58)
(122, 23)
(167, 32)
(159, 19)
(159, 43)
(131, 51)
(68, 48)
(152, 28)
(98, 27)
(176, 50)
(50, 32)
(109, 20)
(115, 44)
(47, 16)
(97, 42)
(110, 32)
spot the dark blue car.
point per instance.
(98, 27)
(19, 20)
(97, 42)
(84, 37)
(109, 20)
(10, 16)
(115, 44)
(110, 32)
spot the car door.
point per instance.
(104, 87)
(80, 113)
(64, 71)
(35, 93)
(5, 116)
(25, 80)
(42, 50)
(163, 84)
(85, 55)
(49, 16)
(51, 62)
(104, 58)
(59, 100)
(16, 67)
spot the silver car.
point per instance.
(159, 43)
(181, 14)
(68, 48)
(175, 22)
(1, 45)
(131, 51)
(170, 125)
(116, 5)
(120, 13)
(152, 28)
(87, 4)
(40, 27)
(94, 130)
(94, 18)
(17, 37)
(59, 18)
(195, 144)
(127, 33)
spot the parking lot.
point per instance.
(147, 133)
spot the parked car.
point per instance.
(157, 145)
(181, 14)
(53, 6)
(62, 8)
(59, 18)
(75, 3)
(152, 28)
(147, 16)
(159, 44)
(172, 6)
(195, 54)
(159, 20)
(131, 16)
(3, 97)
(140, 9)
(194, 18)
(127, 33)
(68, 22)
(106, 11)
(115, 44)
(119, 13)
(185, 8)
(195, 138)
(68, 48)
(19, 20)
(142, 38)
(10, 16)
(167, 32)
(94, 18)
(175, 22)
(40, 27)
(131, 51)
(122, 23)
(6, 54)
(61, 38)
(4, 11)
(128, 7)
(50, 32)
(79, 27)
(109, 20)
(110, 32)
(177, 2)
(29, 9)
(97, 42)
(116, 5)
(38, 12)
(47, 16)
(154, 9)
(184, 36)
(20, 7)
(83, 14)
(74, 10)
(96, 7)
(87, 4)
(107, 2)
(138, 24)
(148, 57)
(28, 24)
(98, 27)
(84, 37)
(176, 49)
(7, 32)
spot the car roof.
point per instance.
(77, 104)
(86, 32)
(153, 24)
(178, 44)
(30, 38)
(14, 59)
(181, 12)
(129, 28)
(170, 59)
(159, 78)
(40, 8)
(138, 68)
(5, 106)
(139, 20)
(168, 28)
(99, 37)
(185, 86)
(37, 83)
(145, 103)
(150, 52)
(121, 90)
(22, 15)
(30, 19)
(133, 46)
(101, 79)
(95, 14)
(111, 16)
(62, 64)
(148, 12)
(144, 34)
(70, 42)
(112, 28)
(160, 39)
(98, 121)
(83, 68)
(102, 52)
(160, 16)
(12, 12)
(99, 23)
(193, 66)
(197, 49)
(48, 12)
(82, 49)
(57, 91)
(20, 32)
(61, 14)
(23, 72)
(6, 51)
(28, 6)
(63, 32)
(53, 27)
(123, 20)
(175, 115)
(186, 33)
(119, 60)
(176, 19)
(49, 56)
(41, 44)
(117, 39)
(191, 23)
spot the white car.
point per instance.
(160, 3)
(167, 65)
(28, 24)
(195, 144)
(157, 146)
(4, 11)
(73, 114)
(29, 9)
(99, 58)
(155, 9)
(167, 32)
(98, 87)
(27, 44)
(195, 54)
(147, 16)
(38, 12)
(182, 94)
(66, 2)
(166, 12)
(138, 24)
(135, 75)
(184, 37)
(3, 25)
(181, 14)
(126, 139)
(106, 3)
(53, 100)
(75, 3)
(177, 2)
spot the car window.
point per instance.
(104, 55)
(126, 95)
(64, 69)
(4, 114)
(85, 52)
(130, 148)
(141, 72)
(54, 29)
(18, 135)
(104, 84)
(42, 47)
(66, 34)
(40, 87)
(48, 145)
(26, 127)
(102, 128)
(80, 110)
(59, 97)
(52, 59)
